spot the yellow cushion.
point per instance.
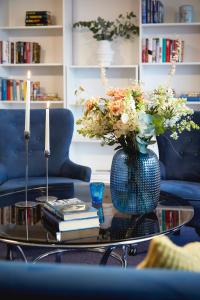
(162, 253)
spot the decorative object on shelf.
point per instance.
(130, 120)
(106, 31)
(27, 203)
(186, 13)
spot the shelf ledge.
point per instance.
(31, 27)
(170, 24)
(33, 65)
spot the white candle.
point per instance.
(28, 95)
(47, 129)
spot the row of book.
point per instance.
(38, 18)
(152, 11)
(191, 97)
(19, 52)
(168, 218)
(161, 50)
(15, 90)
(19, 215)
(70, 218)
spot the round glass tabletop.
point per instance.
(27, 226)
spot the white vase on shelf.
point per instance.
(104, 53)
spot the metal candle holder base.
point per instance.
(26, 203)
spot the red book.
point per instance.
(168, 48)
(8, 90)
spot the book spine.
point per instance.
(39, 12)
(8, 90)
(150, 50)
(4, 89)
(18, 90)
(164, 50)
(168, 46)
(144, 15)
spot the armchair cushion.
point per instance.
(72, 170)
(181, 189)
(181, 158)
(163, 253)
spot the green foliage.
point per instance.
(102, 29)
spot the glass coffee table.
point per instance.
(20, 227)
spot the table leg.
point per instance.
(9, 254)
(125, 251)
(106, 255)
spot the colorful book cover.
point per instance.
(164, 50)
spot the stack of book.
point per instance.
(70, 218)
(38, 18)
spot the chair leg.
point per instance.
(9, 254)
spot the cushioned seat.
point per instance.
(19, 183)
(180, 163)
(181, 189)
(12, 150)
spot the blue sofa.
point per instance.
(180, 164)
(62, 171)
(53, 281)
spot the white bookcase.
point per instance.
(68, 57)
(50, 72)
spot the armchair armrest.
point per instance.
(3, 173)
(75, 171)
(162, 170)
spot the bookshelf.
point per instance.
(69, 59)
(50, 71)
(187, 72)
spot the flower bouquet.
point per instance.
(129, 119)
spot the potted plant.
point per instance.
(105, 32)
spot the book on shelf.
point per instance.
(152, 11)
(19, 52)
(161, 50)
(68, 225)
(38, 18)
(15, 90)
(71, 209)
(72, 235)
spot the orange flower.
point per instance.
(90, 104)
(116, 107)
(117, 93)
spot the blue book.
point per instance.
(144, 14)
(164, 50)
(4, 89)
(14, 90)
(61, 225)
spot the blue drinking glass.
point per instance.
(97, 192)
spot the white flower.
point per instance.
(124, 118)
(132, 103)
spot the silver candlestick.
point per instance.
(47, 197)
(26, 203)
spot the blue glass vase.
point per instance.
(135, 182)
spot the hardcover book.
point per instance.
(65, 207)
(61, 225)
(89, 234)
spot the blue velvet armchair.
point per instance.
(55, 281)
(62, 171)
(180, 164)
